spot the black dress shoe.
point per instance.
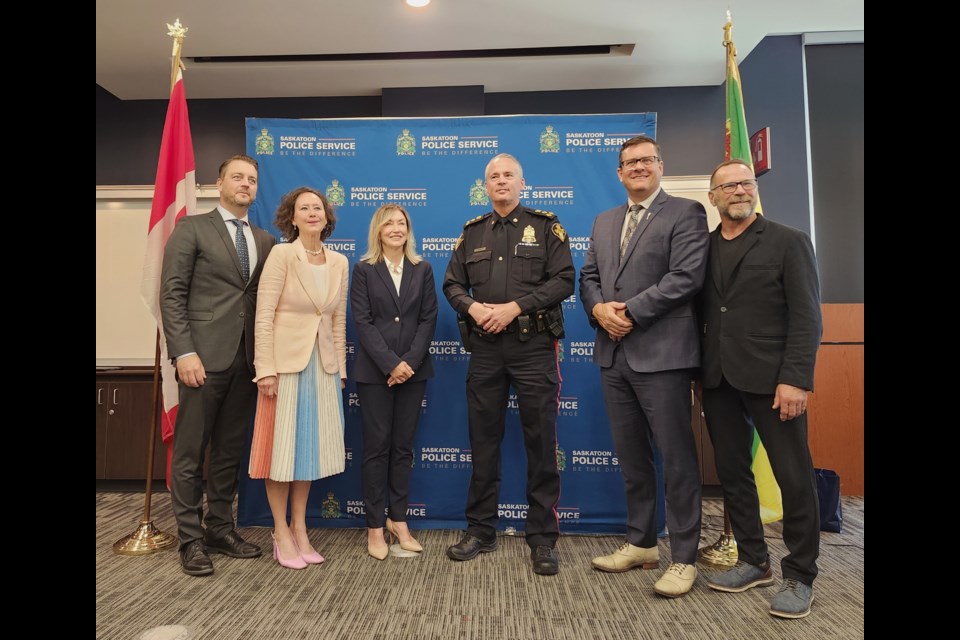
(232, 545)
(544, 560)
(469, 547)
(194, 559)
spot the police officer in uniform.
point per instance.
(509, 272)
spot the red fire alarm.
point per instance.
(760, 150)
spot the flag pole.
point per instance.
(723, 552)
(147, 538)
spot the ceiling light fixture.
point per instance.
(416, 4)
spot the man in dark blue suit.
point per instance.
(762, 324)
(645, 264)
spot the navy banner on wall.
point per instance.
(435, 168)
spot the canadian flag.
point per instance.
(174, 196)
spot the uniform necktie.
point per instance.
(242, 251)
(631, 227)
(498, 285)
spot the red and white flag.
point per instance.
(174, 196)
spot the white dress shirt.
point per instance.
(396, 272)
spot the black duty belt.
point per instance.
(524, 325)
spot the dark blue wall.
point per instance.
(773, 96)
(835, 87)
(690, 124)
(128, 132)
(689, 119)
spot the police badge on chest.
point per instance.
(529, 239)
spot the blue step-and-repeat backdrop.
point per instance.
(434, 167)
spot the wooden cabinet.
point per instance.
(836, 407)
(124, 400)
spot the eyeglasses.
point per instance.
(645, 161)
(731, 187)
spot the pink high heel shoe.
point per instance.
(296, 563)
(310, 557)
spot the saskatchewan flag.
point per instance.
(737, 147)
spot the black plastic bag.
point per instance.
(828, 490)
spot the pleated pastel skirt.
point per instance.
(298, 434)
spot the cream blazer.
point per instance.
(292, 317)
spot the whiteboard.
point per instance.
(126, 332)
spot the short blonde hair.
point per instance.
(374, 252)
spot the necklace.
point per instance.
(314, 252)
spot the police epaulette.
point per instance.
(475, 220)
(545, 214)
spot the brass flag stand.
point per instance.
(147, 538)
(723, 552)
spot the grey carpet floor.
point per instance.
(493, 597)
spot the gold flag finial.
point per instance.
(728, 35)
(178, 32)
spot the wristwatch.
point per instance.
(626, 312)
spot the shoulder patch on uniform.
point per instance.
(474, 220)
(458, 243)
(540, 212)
(559, 231)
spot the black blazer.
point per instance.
(765, 329)
(393, 327)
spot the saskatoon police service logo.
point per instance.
(331, 507)
(561, 459)
(335, 194)
(264, 143)
(478, 195)
(549, 140)
(406, 144)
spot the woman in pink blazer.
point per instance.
(300, 360)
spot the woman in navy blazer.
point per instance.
(394, 305)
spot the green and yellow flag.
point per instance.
(737, 147)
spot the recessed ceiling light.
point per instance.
(416, 4)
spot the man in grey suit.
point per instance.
(762, 324)
(208, 300)
(646, 262)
